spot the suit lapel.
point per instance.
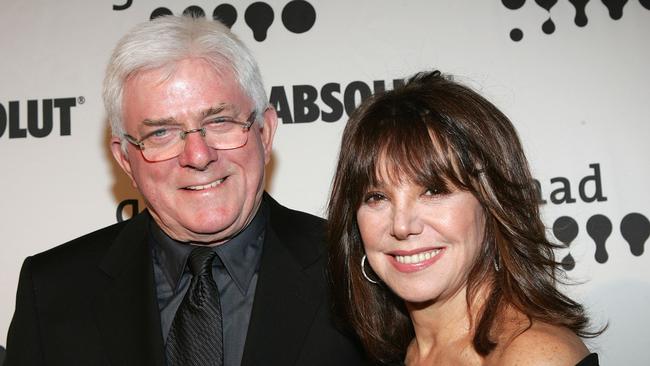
(287, 297)
(126, 312)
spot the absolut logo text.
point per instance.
(328, 103)
(37, 118)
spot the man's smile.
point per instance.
(206, 186)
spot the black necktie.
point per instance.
(196, 337)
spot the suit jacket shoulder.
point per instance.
(303, 234)
(291, 322)
(85, 250)
(90, 301)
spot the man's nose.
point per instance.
(406, 221)
(196, 153)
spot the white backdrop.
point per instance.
(577, 94)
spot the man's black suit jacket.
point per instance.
(92, 301)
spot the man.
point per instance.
(193, 130)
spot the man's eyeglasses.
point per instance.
(167, 142)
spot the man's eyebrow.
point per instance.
(160, 122)
(219, 109)
(205, 113)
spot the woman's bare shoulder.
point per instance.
(543, 345)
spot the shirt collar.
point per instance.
(240, 255)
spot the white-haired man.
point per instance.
(214, 272)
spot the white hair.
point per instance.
(163, 42)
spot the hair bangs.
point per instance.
(406, 143)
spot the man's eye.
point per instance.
(218, 120)
(220, 124)
(160, 133)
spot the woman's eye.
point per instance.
(431, 192)
(374, 197)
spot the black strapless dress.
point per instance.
(590, 360)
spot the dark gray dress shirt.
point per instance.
(234, 270)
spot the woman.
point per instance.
(438, 255)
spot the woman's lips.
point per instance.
(413, 261)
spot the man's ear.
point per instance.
(268, 131)
(122, 158)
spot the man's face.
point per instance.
(202, 195)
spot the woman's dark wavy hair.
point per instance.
(437, 133)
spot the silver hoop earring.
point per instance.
(496, 264)
(363, 270)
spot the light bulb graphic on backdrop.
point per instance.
(635, 229)
(259, 17)
(225, 13)
(565, 230)
(599, 228)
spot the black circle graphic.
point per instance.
(516, 34)
(298, 16)
(124, 6)
(225, 13)
(159, 12)
(565, 229)
(194, 12)
(513, 4)
(645, 3)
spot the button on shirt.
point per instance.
(234, 270)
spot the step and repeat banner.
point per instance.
(572, 75)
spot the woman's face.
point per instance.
(420, 243)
